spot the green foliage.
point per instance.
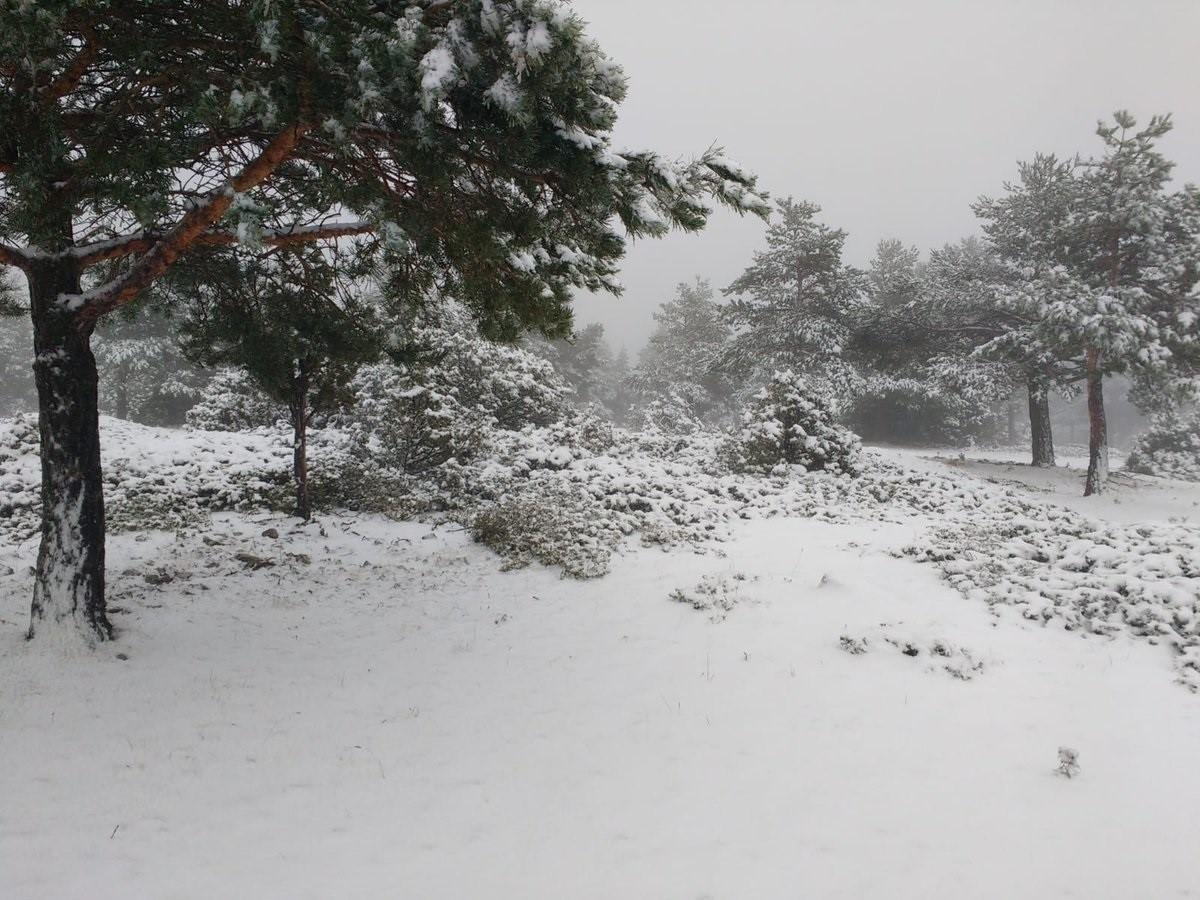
(793, 307)
(472, 138)
(556, 526)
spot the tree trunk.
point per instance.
(1040, 431)
(299, 410)
(68, 591)
(1097, 427)
(1011, 406)
(122, 410)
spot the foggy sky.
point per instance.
(893, 115)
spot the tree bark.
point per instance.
(1040, 432)
(1097, 474)
(68, 592)
(299, 411)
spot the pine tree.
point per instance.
(582, 361)
(985, 350)
(685, 354)
(618, 387)
(1106, 262)
(893, 279)
(293, 321)
(468, 138)
(793, 307)
(917, 380)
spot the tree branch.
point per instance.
(11, 256)
(70, 77)
(128, 245)
(162, 255)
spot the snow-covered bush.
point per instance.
(1169, 449)
(444, 406)
(407, 425)
(556, 525)
(231, 401)
(507, 384)
(790, 425)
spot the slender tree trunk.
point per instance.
(299, 410)
(1097, 427)
(1012, 419)
(1040, 432)
(68, 592)
(122, 410)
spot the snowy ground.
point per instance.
(1130, 498)
(366, 708)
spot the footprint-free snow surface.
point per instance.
(815, 707)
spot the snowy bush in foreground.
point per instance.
(789, 425)
(231, 401)
(1169, 449)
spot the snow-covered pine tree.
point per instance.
(894, 277)
(983, 347)
(1170, 447)
(135, 133)
(618, 387)
(793, 307)
(582, 361)
(1108, 261)
(292, 318)
(917, 381)
(684, 357)
(789, 425)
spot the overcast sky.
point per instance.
(893, 115)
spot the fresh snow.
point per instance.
(364, 707)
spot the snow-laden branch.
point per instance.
(143, 241)
(163, 253)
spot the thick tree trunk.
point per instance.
(1097, 427)
(1040, 432)
(68, 592)
(299, 410)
